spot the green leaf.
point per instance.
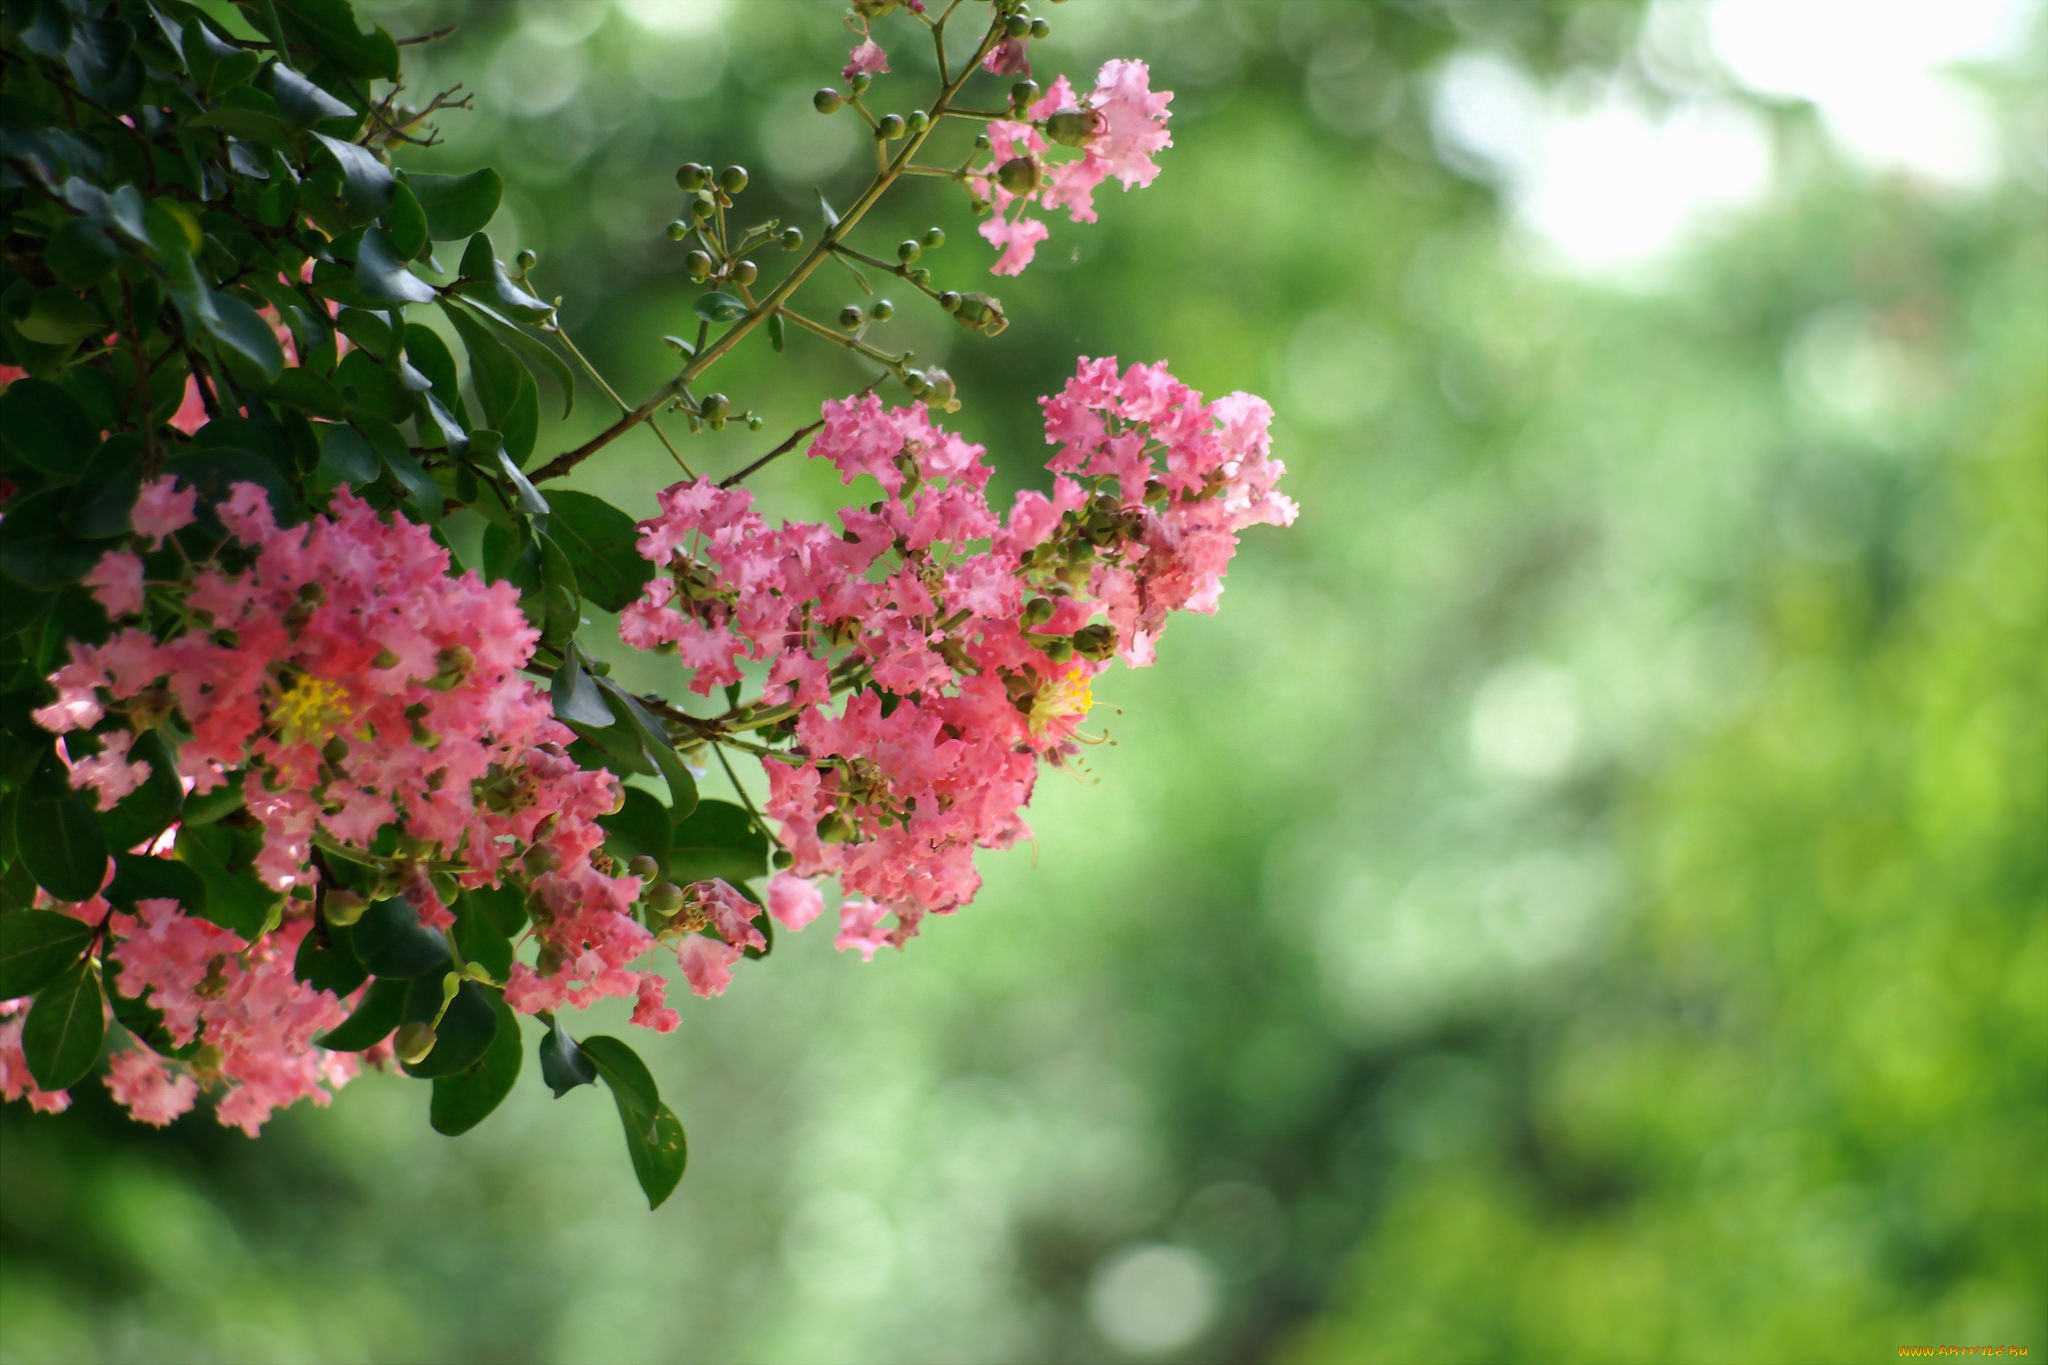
(328, 27)
(493, 371)
(458, 205)
(831, 214)
(304, 103)
(717, 307)
(381, 1010)
(345, 458)
(65, 1028)
(141, 877)
(466, 1098)
(243, 331)
(58, 317)
(36, 945)
(654, 1135)
(602, 542)
(107, 489)
(482, 273)
(43, 425)
(562, 1063)
(148, 810)
(80, 253)
(465, 1030)
(405, 223)
(575, 693)
(639, 828)
(776, 337)
(478, 915)
(390, 940)
(327, 962)
(35, 549)
(381, 272)
(223, 858)
(535, 351)
(718, 839)
(59, 839)
(682, 787)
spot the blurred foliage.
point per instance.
(1580, 898)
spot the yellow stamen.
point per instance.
(1070, 694)
(312, 711)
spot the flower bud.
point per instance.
(692, 176)
(1038, 611)
(385, 659)
(881, 310)
(677, 230)
(540, 860)
(451, 668)
(950, 300)
(697, 265)
(551, 960)
(643, 867)
(942, 392)
(860, 82)
(733, 179)
(334, 750)
(714, 406)
(890, 127)
(914, 382)
(908, 251)
(1040, 29)
(745, 272)
(703, 210)
(850, 317)
(1023, 93)
(918, 120)
(526, 260)
(664, 899)
(1059, 651)
(1016, 26)
(342, 908)
(827, 101)
(1074, 127)
(981, 312)
(754, 423)
(1019, 175)
(1095, 642)
(792, 239)
(919, 276)
(414, 1041)
(934, 238)
(835, 828)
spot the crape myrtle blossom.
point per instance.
(964, 643)
(1119, 126)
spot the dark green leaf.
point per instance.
(717, 840)
(304, 103)
(107, 488)
(405, 223)
(80, 253)
(43, 425)
(639, 828)
(536, 352)
(562, 1063)
(493, 371)
(602, 542)
(390, 940)
(224, 859)
(381, 272)
(478, 913)
(59, 839)
(381, 1010)
(463, 1100)
(654, 1136)
(458, 205)
(465, 1030)
(682, 787)
(482, 273)
(65, 1028)
(717, 307)
(327, 962)
(329, 28)
(35, 550)
(243, 331)
(141, 877)
(35, 945)
(58, 317)
(575, 693)
(345, 458)
(776, 338)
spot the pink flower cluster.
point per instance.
(253, 1022)
(360, 687)
(966, 643)
(1119, 126)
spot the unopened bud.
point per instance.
(342, 908)
(664, 899)
(835, 828)
(981, 312)
(934, 237)
(540, 860)
(677, 230)
(918, 120)
(860, 82)
(526, 260)
(745, 272)
(1095, 642)
(714, 407)
(792, 239)
(942, 392)
(1019, 175)
(334, 750)
(692, 176)
(704, 209)
(881, 310)
(551, 960)
(890, 127)
(850, 317)
(697, 266)
(1059, 651)
(733, 179)
(1038, 611)
(950, 300)
(414, 1041)
(1074, 127)
(1040, 29)
(1016, 26)
(827, 101)
(908, 251)
(643, 867)
(1023, 92)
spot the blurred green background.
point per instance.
(1583, 896)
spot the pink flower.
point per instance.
(109, 772)
(794, 901)
(162, 509)
(707, 964)
(1008, 58)
(859, 920)
(146, 1086)
(1018, 240)
(867, 57)
(116, 583)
